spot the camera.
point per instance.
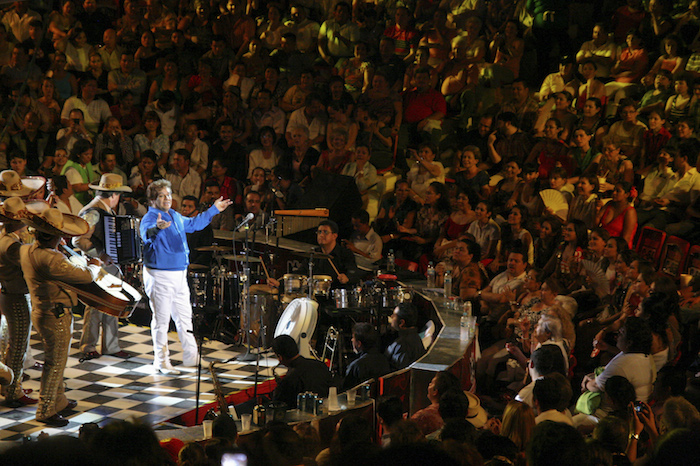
(639, 406)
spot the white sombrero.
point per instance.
(55, 222)
(14, 209)
(111, 182)
(12, 185)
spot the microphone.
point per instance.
(245, 221)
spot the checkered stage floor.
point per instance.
(110, 388)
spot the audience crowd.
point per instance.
(522, 145)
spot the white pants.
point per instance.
(169, 295)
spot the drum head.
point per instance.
(299, 319)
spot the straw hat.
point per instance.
(111, 182)
(54, 222)
(14, 209)
(476, 415)
(12, 185)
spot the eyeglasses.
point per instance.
(323, 232)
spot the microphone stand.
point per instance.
(248, 356)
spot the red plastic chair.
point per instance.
(649, 244)
(692, 265)
(673, 256)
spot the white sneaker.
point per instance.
(168, 369)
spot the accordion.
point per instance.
(122, 240)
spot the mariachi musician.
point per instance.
(107, 195)
(43, 267)
(14, 300)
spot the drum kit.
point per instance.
(254, 322)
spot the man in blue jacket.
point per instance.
(165, 259)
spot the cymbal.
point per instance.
(214, 248)
(241, 258)
(197, 267)
(317, 255)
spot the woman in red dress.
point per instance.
(619, 216)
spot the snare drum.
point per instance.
(321, 285)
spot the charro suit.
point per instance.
(14, 302)
(52, 317)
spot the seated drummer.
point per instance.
(343, 259)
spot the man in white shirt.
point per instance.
(109, 50)
(17, 20)
(503, 288)
(671, 207)
(564, 80)
(185, 181)
(337, 36)
(365, 243)
(305, 29)
(311, 117)
(95, 111)
(602, 51)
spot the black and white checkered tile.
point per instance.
(109, 388)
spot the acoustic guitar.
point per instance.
(108, 293)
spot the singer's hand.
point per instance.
(221, 203)
(162, 224)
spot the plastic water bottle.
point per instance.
(431, 275)
(391, 261)
(448, 283)
(464, 327)
(467, 307)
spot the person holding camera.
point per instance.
(75, 131)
